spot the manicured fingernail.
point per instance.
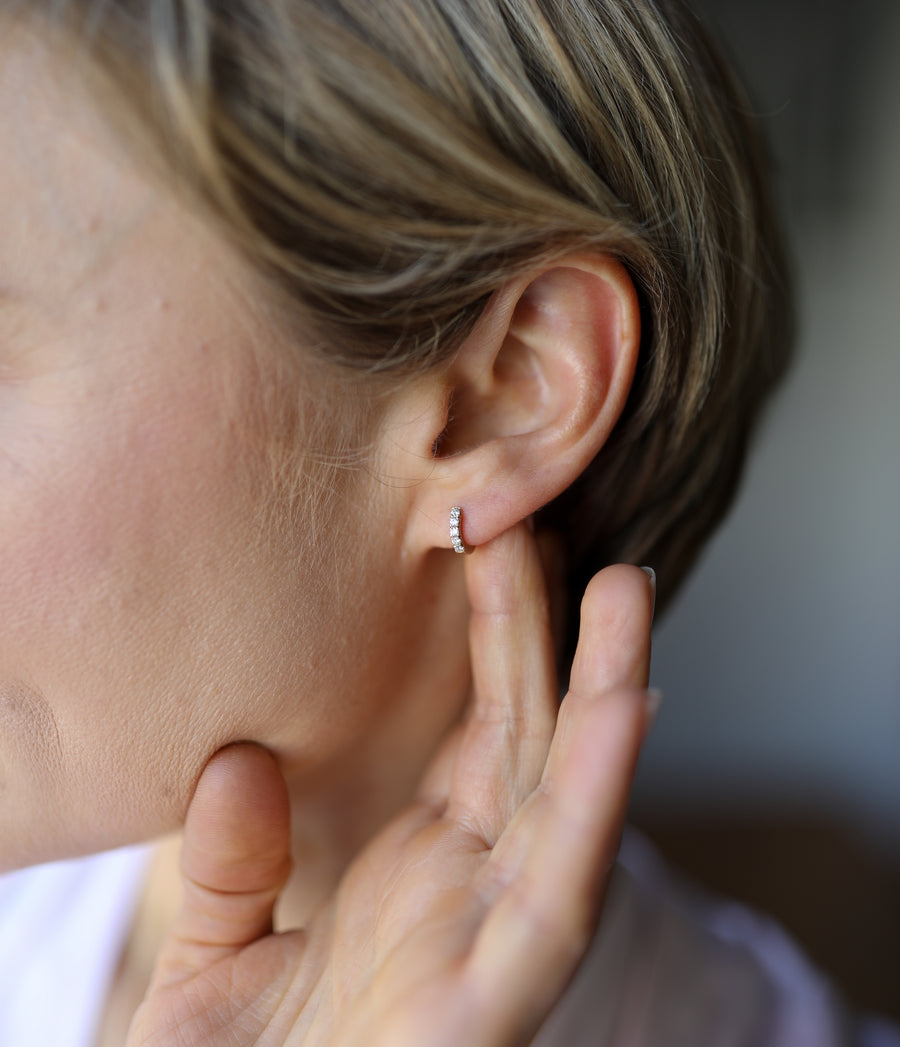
(653, 702)
(651, 574)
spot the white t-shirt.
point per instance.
(63, 928)
(669, 967)
(672, 967)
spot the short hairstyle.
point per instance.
(387, 165)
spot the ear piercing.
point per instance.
(455, 536)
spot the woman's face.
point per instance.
(148, 617)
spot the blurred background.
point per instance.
(773, 773)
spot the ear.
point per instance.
(531, 397)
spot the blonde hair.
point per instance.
(386, 166)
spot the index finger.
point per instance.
(515, 691)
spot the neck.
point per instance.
(336, 810)
(334, 816)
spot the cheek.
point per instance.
(96, 512)
(121, 518)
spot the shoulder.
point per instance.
(671, 967)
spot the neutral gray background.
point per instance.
(780, 662)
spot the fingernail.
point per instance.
(651, 574)
(653, 701)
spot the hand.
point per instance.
(463, 920)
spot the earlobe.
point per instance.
(536, 389)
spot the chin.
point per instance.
(24, 844)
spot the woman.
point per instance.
(284, 285)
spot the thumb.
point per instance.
(235, 860)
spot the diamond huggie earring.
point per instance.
(455, 536)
